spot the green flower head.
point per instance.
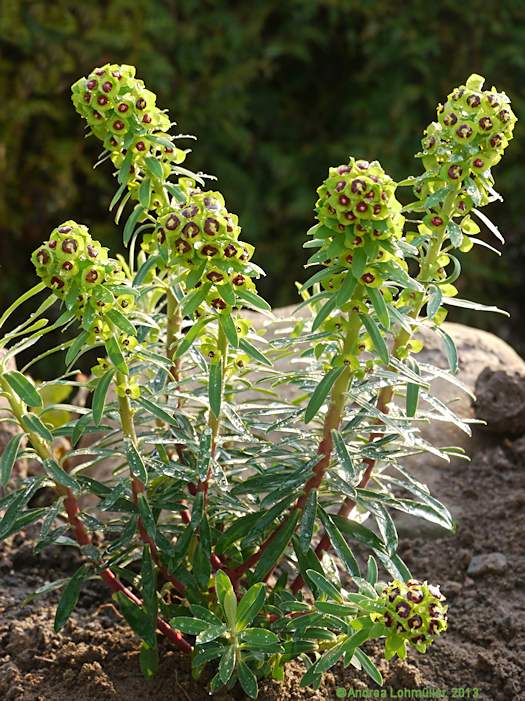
(473, 129)
(414, 614)
(359, 194)
(200, 235)
(80, 273)
(115, 103)
(360, 222)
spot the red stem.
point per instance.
(83, 538)
(138, 488)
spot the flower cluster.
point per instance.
(414, 613)
(202, 237)
(78, 270)
(473, 129)
(115, 104)
(357, 209)
(122, 113)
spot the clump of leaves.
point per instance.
(246, 467)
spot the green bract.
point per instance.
(200, 236)
(414, 614)
(78, 270)
(238, 460)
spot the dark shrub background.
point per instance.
(275, 92)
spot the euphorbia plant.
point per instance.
(244, 467)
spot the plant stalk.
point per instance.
(387, 393)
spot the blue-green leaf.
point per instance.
(99, 396)
(8, 458)
(23, 388)
(321, 392)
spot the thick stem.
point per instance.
(332, 421)
(387, 393)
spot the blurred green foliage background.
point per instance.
(275, 91)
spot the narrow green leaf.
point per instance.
(223, 585)
(149, 660)
(308, 521)
(197, 510)
(369, 667)
(136, 617)
(356, 531)
(20, 300)
(321, 392)
(145, 269)
(121, 322)
(343, 455)
(99, 396)
(247, 680)
(324, 312)
(331, 656)
(435, 297)
(227, 664)
(340, 545)
(195, 275)
(359, 259)
(455, 234)
(211, 633)
(155, 167)
(190, 626)
(79, 429)
(380, 307)
(250, 605)
(253, 352)
(131, 223)
(450, 350)
(190, 336)
(324, 586)
(32, 423)
(215, 387)
(157, 411)
(229, 604)
(376, 337)
(201, 567)
(227, 293)
(204, 457)
(195, 298)
(259, 638)
(239, 528)
(371, 571)
(146, 516)
(228, 327)
(135, 461)
(276, 547)
(75, 348)
(148, 575)
(116, 197)
(412, 392)
(23, 388)
(53, 469)
(13, 521)
(145, 192)
(317, 277)
(69, 598)
(115, 355)
(8, 458)
(254, 300)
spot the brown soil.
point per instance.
(95, 658)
